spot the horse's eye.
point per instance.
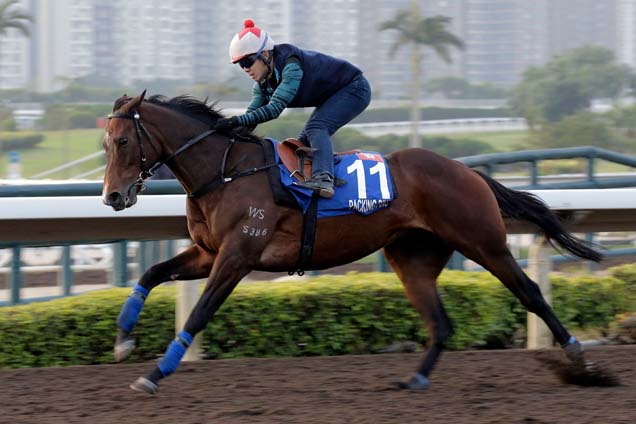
(123, 141)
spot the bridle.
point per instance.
(140, 129)
(149, 172)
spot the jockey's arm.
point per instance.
(258, 99)
(282, 96)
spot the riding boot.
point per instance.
(322, 184)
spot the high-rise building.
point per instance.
(187, 40)
(384, 63)
(103, 21)
(153, 40)
(51, 44)
(502, 39)
(575, 23)
(70, 39)
(15, 60)
(626, 32)
(329, 27)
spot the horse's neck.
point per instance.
(194, 164)
(200, 164)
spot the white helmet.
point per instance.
(248, 41)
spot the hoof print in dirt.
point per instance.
(584, 373)
(418, 383)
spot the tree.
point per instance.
(580, 129)
(12, 18)
(568, 83)
(418, 31)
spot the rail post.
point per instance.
(65, 274)
(539, 267)
(120, 264)
(16, 276)
(187, 297)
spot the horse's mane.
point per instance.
(188, 105)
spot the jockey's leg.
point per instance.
(335, 112)
(191, 264)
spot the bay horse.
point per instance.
(442, 206)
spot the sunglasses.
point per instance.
(248, 61)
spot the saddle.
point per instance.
(297, 158)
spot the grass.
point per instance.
(58, 148)
(503, 141)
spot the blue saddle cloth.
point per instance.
(368, 188)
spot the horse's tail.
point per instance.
(525, 206)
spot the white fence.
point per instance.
(442, 126)
(29, 220)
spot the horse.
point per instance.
(442, 206)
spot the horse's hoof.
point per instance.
(574, 352)
(418, 382)
(123, 349)
(145, 386)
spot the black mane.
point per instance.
(190, 106)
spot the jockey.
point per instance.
(287, 76)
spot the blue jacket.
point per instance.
(323, 75)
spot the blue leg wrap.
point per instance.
(175, 352)
(572, 340)
(132, 307)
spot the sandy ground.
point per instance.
(506, 386)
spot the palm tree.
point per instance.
(418, 30)
(11, 18)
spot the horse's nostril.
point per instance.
(114, 198)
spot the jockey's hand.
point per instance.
(226, 123)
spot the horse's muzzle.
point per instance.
(119, 202)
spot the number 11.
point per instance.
(379, 168)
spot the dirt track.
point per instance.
(468, 387)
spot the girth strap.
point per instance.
(308, 237)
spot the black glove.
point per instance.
(226, 123)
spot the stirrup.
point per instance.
(323, 186)
(303, 154)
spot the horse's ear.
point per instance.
(120, 102)
(134, 103)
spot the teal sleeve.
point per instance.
(258, 99)
(285, 92)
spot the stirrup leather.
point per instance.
(304, 155)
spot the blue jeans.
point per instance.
(326, 119)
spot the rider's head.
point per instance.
(252, 49)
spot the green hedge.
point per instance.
(19, 141)
(329, 315)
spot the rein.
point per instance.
(212, 185)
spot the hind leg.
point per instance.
(418, 258)
(497, 259)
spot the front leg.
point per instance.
(228, 270)
(193, 263)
